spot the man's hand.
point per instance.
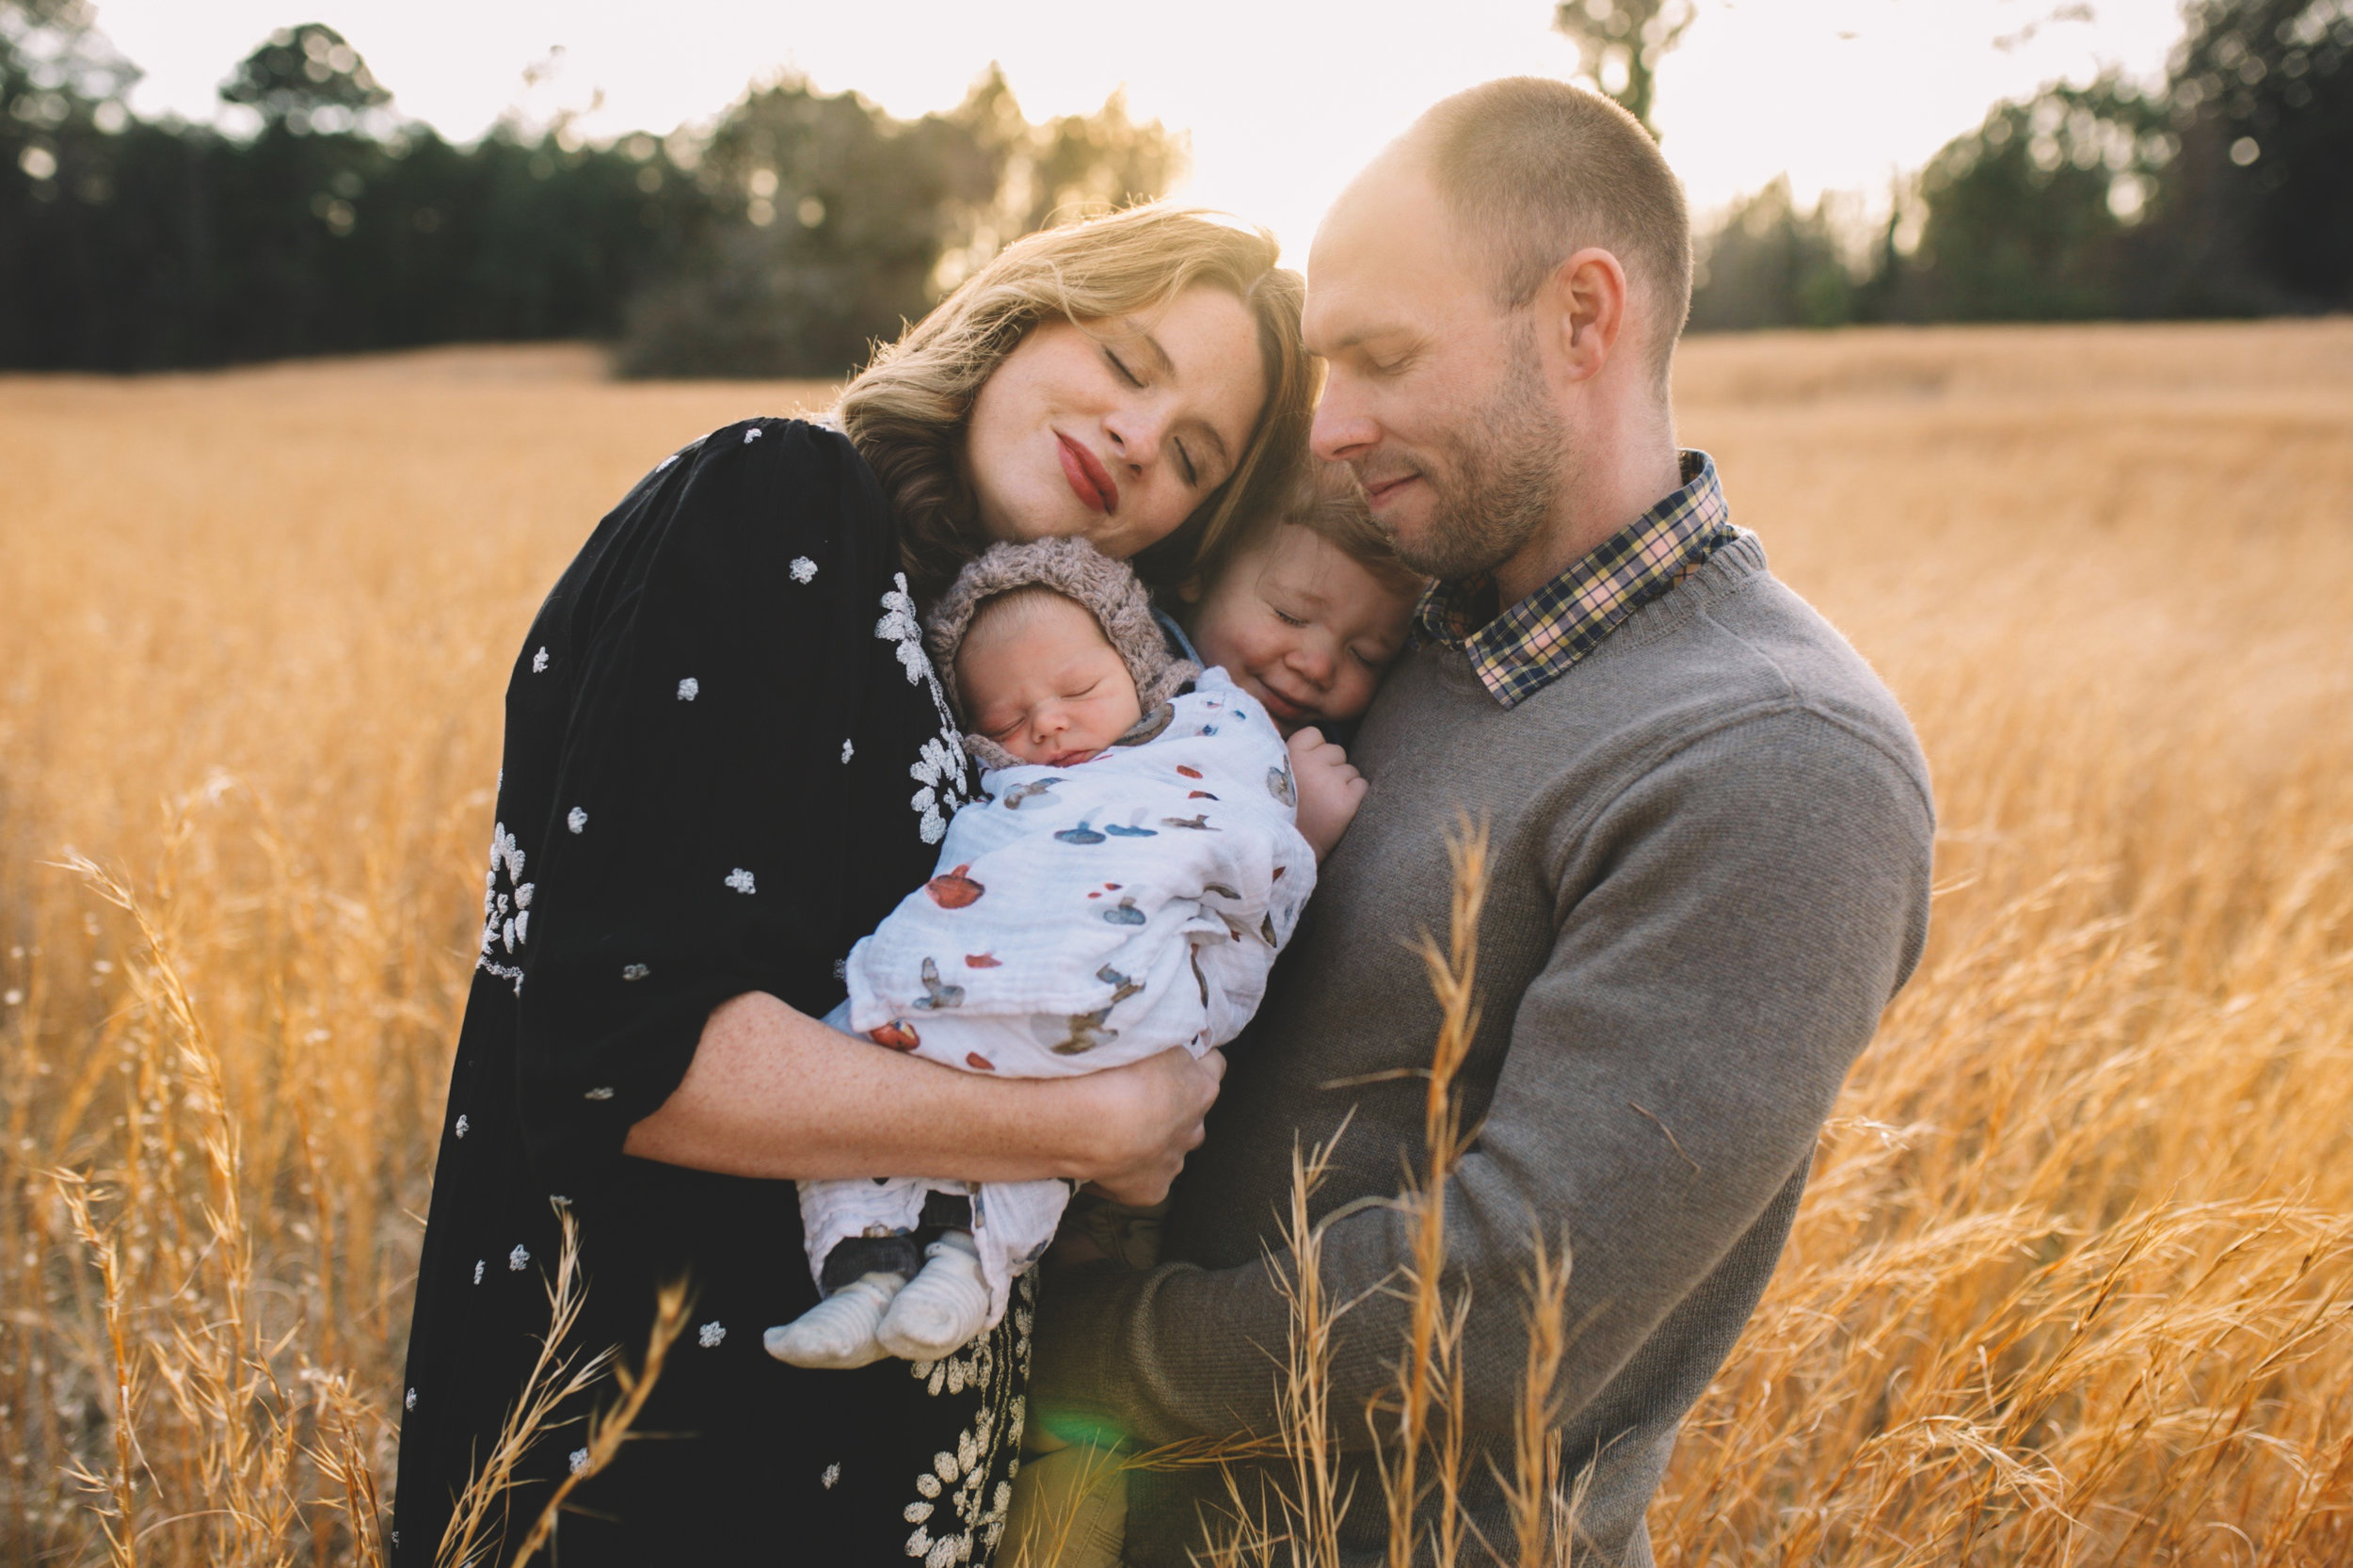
(1147, 1118)
(1330, 788)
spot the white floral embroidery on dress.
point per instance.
(505, 912)
(579, 1460)
(832, 1474)
(939, 766)
(477, 1269)
(576, 819)
(462, 1125)
(603, 1092)
(711, 1334)
(842, 968)
(516, 1260)
(995, 1365)
(635, 971)
(848, 751)
(899, 625)
(740, 880)
(940, 770)
(688, 689)
(539, 661)
(803, 569)
(753, 434)
(410, 1401)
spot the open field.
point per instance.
(2075, 1282)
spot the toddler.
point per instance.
(1143, 848)
(1307, 609)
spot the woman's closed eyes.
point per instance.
(1184, 458)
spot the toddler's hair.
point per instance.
(1326, 499)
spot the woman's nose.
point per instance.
(1136, 432)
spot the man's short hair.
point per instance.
(1537, 169)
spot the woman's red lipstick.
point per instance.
(1089, 480)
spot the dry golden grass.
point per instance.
(2072, 1282)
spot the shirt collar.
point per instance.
(1523, 649)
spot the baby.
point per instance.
(1145, 849)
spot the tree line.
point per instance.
(2226, 190)
(803, 226)
(781, 241)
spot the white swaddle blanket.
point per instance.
(1082, 918)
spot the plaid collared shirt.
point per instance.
(1527, 648)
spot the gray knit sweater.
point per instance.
(1710, 848)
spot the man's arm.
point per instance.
(774, 1093)
(1734, 926)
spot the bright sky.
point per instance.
(1283, 99)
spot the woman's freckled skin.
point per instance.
(1162, 406)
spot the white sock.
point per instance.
(837, 1331)
(942, 1307)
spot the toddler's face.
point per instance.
(1043, 683)
(1303, 627)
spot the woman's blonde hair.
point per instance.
(905, 412)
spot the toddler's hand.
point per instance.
(1330, 788)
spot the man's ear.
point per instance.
(1582, 309)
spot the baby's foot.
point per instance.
(837, 1331)
(943, 1308)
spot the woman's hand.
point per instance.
(1330, 788)
(1149, 1116)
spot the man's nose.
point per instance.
(1343, 428)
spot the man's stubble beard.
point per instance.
(1506, 466)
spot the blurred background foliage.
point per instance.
(777, 242)
(799, 227)
(2226, 190)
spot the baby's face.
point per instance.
(1042, 681)
(1301, 626)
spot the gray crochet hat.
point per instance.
(1077, 570)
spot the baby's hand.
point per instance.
(1330, 788)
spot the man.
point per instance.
(1710, 835)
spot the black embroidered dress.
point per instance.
(727, 759)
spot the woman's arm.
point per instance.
(774, 1093)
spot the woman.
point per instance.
(726, 759)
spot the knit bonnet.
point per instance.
(1077, 570)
